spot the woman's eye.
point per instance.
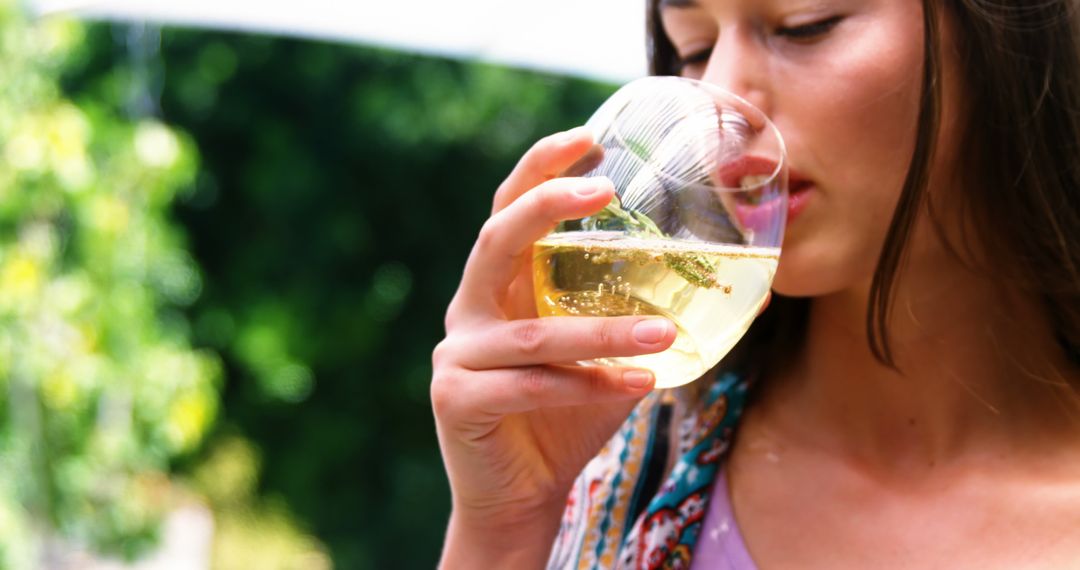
(694, 58)
(809, 31)
(802, 33)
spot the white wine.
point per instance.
(711, 292)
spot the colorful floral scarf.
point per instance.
(619, 513)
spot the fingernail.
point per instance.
(651, 331)
(587, 189)
(637, 379)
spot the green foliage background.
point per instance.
(338, 194)
(100, 388)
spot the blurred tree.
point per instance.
(341, 189)
(99, 386)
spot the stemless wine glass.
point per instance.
(693, 233)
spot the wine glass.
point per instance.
(693, 233)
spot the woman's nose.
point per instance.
(738, 64)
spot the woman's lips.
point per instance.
(799, 193)
(733, 174)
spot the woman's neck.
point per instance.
(977, 373)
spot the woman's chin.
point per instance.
(793, 290)
(822, 266)
(794, 280)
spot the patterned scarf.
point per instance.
(618, 514)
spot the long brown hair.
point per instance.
(1021, 154)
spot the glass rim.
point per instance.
(742, 106)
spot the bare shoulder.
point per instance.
(1040, 499)
(803, 506)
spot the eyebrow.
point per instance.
(678, 3)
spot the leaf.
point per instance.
(693, 268)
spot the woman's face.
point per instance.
(841, 79)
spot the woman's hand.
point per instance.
(516, 423)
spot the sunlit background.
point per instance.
(228, 233)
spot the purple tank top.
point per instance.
(720, 545)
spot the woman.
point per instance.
(910, 394)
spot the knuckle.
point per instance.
(457, 312)
(443, 391)
(606, 335)
(487, 236)
(530, 337)
(596, 378)
(535, 382)
(439, 354)
(450, 319)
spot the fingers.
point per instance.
(562, 339)
(551, 157)
(548, 158)
(506, 238)
(473, 394)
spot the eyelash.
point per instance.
(809, 31)
(694, 58)
(801, 33)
